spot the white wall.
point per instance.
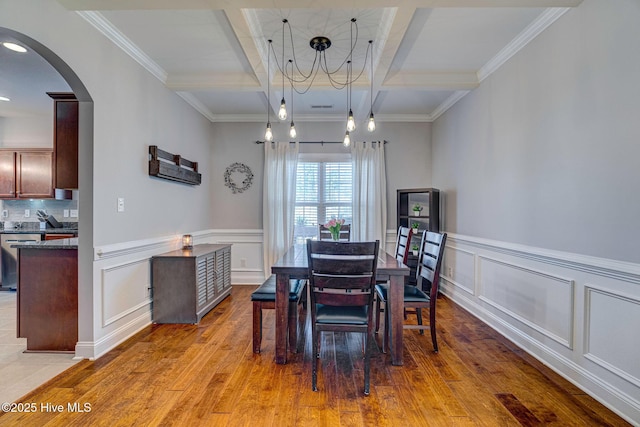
(408, 160)
(237, 218)
(131, 110)
(545, 152)
(539, 166)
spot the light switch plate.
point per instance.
(65, 213)
(5, 213)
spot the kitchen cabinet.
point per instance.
(47, 298)
(65, 139)
(187, 284)
(26, 174)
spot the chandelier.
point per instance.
(300, 79)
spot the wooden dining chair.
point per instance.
(403, 243)
(325, 234)
(425, 293)
(341, 281)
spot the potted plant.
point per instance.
(417, 209)
(415, 250)
(414, 227)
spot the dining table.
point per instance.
(294, 265)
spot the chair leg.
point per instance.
(367, 362)
(378, 313)
(314, 372)
(432, 324)
(419, 316)
(257, 326)
(387, 329)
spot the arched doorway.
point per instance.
(85, 178)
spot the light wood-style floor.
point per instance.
(206, 374)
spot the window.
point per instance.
(324, 190)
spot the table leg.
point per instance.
(396, 304)
(282, 316)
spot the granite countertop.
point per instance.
(34, 228)
(49, 244)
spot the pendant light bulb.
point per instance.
(351, 123)
(347, 140)
(292, 131)
(371, 125)
(282, 112)
(268, 135)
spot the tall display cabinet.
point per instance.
(427, 217)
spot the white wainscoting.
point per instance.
(122, 282)
(579, 315)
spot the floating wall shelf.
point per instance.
(173, 167)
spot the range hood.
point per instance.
(66, 194)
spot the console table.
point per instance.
(188, 283)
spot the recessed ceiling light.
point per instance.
(4, 98)
(14, 47)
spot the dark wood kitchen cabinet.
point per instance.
(65, 139)
(47, 300)
(187, 284)
(26, 174)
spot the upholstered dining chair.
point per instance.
(425, 293)
(325, 234)
(403, 243)
(341, 280)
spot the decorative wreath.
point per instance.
(232, 172)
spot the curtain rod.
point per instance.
(317, 142)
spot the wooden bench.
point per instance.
(265, 298)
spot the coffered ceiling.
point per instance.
(426, 54)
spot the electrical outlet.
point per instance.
(65, 213)
(120, 204)
(243, 262)
(73, 213)
(27, 213)
(450, 271)
(5, 213)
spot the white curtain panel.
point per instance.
(369, 192)
(279, 198)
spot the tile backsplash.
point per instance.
(16, 209)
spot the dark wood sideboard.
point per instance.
(187, 284)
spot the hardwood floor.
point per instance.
(207, 374)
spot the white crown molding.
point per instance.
(238, 81)
(199, 106)
(448, 103)
(546, 18)
(308, 118)
(112, 33)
